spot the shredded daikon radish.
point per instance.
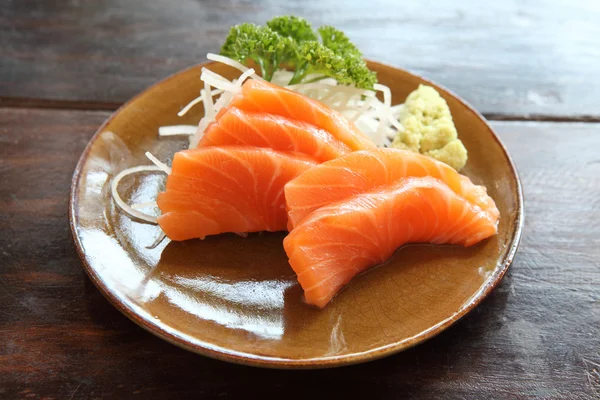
(383, 111)
(367, 124)
(209, 106)
(282, 77)
(191, 104)
(177, 130)
(385, 115)
(396, 110)
(126, 208)
(216, 80)
(333, 82)
(223, 101)
(362, 108)
(387, 93)
(377, 119)
(195, 138)
(209, 113)
(395, 123)
(164, 167)
(197, 100)
(231, 63)
(204, 122)
(227, 61)
(244, 76)
(210, 109)
(158, 240)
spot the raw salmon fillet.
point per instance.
(365, 170)
(239, 127)
(345, 238)
(212, 190)
(262, 96)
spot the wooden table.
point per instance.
(533, 70)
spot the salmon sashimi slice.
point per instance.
(343, 239)
(262, 96)
(361, 171)
(212, 190)
(239, 127)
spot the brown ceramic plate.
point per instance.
(237, 299)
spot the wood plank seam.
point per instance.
(53, 104)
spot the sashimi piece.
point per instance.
(212, 190)
(365, 170)
(239, 127)
(343, 239)
(262, 96)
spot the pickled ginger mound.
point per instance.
(429, 129)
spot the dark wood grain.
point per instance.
(507, 58)
(536, 336)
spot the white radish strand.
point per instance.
(217, 80)
(191, 104)
(133, 210)
(158, 240)
(223, 101)
(381, 111)
(164, 167)
(126, 208)
(209, 114)
(395, 123)
(197, 100)
(210, 109)
(282, 77)
(204, 122)
(387, 93)
(177, 130)
(244, 76)
(362, 108)
(227, 61)
(195, 138)
(383, 116)
(209, 106)
(232, 63)
(396, 110)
